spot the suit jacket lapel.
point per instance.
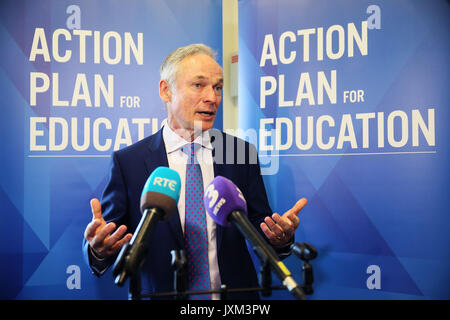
(158, 157)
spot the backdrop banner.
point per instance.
(348, 102)
(79, 80)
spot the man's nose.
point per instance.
(209, 94)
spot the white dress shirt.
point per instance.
(177, 161)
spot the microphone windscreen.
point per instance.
(162, 190)
(222, 197)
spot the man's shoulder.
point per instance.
(139, 146)
(230, 149)
(155, 140)
(226, 137)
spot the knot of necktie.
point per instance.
(190, 150)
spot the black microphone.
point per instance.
(158, 202)
(226, 205)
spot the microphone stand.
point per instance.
(132, 255)
(223, 291)
(135, 287)
(304, 251)
(265, 279)
(179, 263)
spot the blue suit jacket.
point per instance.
(130, 169)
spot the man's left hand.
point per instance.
(280, 229)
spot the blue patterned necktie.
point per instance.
(196, 236)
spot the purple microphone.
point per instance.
(222, 197)
(226, 205)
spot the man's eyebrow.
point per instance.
(200, 77)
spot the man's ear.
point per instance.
(165, 91)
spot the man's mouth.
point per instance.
(207, 113)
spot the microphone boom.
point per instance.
(158, 202)
(225, 204)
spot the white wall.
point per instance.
(230, 46)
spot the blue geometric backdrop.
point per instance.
(44, 195)
(370, 206)
(386, 209)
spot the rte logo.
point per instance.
(164, 182)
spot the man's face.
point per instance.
(197, 95)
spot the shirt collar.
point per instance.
(174, 142)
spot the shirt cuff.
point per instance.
(98, 265)
(96, 257)
(284, 250)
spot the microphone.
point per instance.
(159, 200)
(226, 205)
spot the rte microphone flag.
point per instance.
(158, 202)
(162, 190)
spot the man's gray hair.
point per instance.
(169, 68)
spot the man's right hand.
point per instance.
(98, 233)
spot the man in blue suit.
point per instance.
(191, 88)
